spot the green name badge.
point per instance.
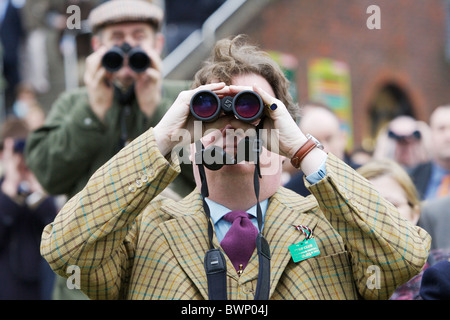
(304, 250)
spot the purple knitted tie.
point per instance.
(240, 240)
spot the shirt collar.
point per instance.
(218, 211)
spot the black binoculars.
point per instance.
(214, 157)
(138, 60)
(207, 106)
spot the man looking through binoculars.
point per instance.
(100, 82)
(87, 126)
(131, 243)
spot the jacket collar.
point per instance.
(188, 237)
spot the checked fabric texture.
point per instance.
(130, 243)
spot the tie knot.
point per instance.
(233, 215)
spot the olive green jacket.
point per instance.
(74, 143)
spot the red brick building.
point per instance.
(400, 68)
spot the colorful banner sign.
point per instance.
(329, 83)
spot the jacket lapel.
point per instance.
(188, 237)
(286, 211)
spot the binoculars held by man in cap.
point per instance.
(207, 106)
(138, 60)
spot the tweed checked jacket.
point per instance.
(130, 243)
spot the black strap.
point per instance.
(216, 274)
(205, 193)
(263, 285)
(125, 99)
(215, 265)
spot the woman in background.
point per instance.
(395, 185)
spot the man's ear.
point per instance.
(159, 42)
(95, 42)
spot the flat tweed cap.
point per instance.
(118, 11)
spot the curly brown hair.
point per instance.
(237, 56)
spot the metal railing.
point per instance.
(228, 19)
(185, 59)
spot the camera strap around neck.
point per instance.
(215, 265)
(125, 99)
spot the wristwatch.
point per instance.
(306, 148)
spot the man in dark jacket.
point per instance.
(24, 211)
(432, 179)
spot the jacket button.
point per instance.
(87, 121)
(247, 290)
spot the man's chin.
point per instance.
(241, 169)
(125, 82)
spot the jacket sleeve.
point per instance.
(96, 229)
(385, 249)
(58, 153)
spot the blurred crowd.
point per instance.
(409, 165)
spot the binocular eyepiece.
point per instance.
(138, 60)
(207, 106)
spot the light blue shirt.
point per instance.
(221, 225)
(437, 174)
(3, 8)
(218, 211)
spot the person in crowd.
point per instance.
(432, 179)
(129, 242)
(55, 51)
(360, 156)
(87, 126)
(436, 282)
(28, 108)
(322, 123)
(12, 35)
(24, 211)
(396, 186)
(404, 140)
(435, 219)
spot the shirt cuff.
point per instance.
(319, 174)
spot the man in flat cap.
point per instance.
(88, 126)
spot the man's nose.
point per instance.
(129, 39)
